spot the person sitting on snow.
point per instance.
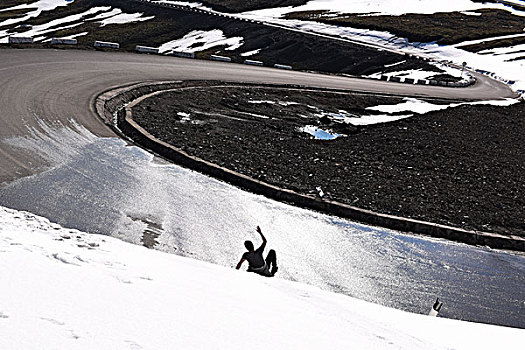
(256, 262)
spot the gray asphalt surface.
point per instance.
(59, 86)
(59, 161)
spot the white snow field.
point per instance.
(65, 289)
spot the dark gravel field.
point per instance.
(463, 166)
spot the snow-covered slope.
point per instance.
(387, 7)
(65, 289)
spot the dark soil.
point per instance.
(491, 44)
(463, 167)
(10, 3)
(13, 14)
(443, 28)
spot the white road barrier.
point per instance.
(146, 49)
(106, 44)
(62, 41)
(282, 66)
(20, 40)
(220, 58)
(253, 63)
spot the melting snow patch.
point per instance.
(105, 15)
(376, 119)
(410, 104)
(318, 133)
(185, 3)
(37, 7)
(54, 25)
(200, 40)
(281, 103)
(470, 13)
(185, 116)
(55, 142)
(123, 18)
(250, 53)
(422, 107)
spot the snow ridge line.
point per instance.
(128, 128)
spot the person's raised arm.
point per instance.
(262, 236)
(240, 263)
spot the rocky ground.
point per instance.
(463, 167)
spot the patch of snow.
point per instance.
(105, 15)
(394, 64)
(124, 18)
(410, 104)
(66, 289)
(422, 107)
(250, 53)
(470, 13)
(382, 7)
(413, 74)
(185, 3)
(185, 117)
(319, 133)
(37, 8)
(74, 35)
(199, 40)
(261, 102)
(375, 119)
(38, 31)
(281, 103)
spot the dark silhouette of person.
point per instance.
(256, 262)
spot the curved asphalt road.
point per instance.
(57, 85)
(84, 177)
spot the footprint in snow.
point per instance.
(2, 315)
(63, 259)
(53, 321)
(133, 345)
